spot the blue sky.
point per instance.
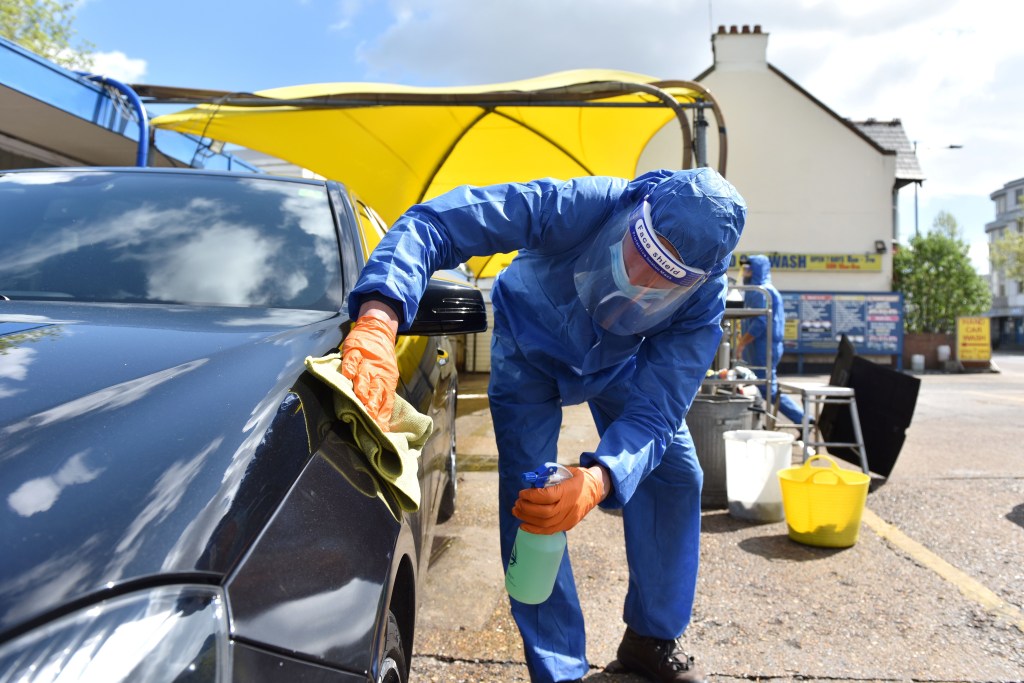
(949, 69)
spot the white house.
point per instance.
(815, 183)
(821, 193)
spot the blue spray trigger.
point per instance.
(549, 474)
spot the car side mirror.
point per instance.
(451, 305)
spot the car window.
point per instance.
(181, 238)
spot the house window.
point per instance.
(1000, 204)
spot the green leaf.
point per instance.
(45, 27)
(938, 281)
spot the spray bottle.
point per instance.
(535, 558)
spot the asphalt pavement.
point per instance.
(932, 591)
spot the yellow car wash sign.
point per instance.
(822, 263)
(973, 339)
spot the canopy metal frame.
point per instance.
(579, 95)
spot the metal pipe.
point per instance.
(706, 100)
(142, 154)
(576, 95)
(700, 137)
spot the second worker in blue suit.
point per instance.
(615, 298)
(753, 345)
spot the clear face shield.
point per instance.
(631, 279)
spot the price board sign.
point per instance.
(872, 321)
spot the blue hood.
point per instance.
(760, 269)
(700, 213)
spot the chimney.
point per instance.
(740, 47)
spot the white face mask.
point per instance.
(621, 277)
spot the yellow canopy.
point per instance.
(397, 145)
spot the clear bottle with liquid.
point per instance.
(533, 565)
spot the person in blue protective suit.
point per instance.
(615, 298)
(753, 345)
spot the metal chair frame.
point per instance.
(817, 395)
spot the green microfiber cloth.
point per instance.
(393, 454)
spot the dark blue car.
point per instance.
(178, 501)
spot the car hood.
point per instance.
(128, 438)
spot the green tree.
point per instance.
(45, 27)
(945, 223)
(937, 280)
(9, 342)
(1007, 254)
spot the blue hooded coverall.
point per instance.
(757, 352)
(548, 352)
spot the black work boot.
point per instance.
(659, 660)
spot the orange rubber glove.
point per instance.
(368, 359)
(559, 507)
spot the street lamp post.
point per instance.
(917, 184)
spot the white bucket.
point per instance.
(753, 459)
(943, 353)
(917, 362)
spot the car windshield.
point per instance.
(169, 238)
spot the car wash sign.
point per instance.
(820, 263)
(973, 340)
(872, 321)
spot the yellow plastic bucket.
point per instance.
(823, 505)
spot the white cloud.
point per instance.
(347, 11)
(119, 66)
(947, 73)
(15, 362)
(979, 256)
(458, 42)
(39, 495)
